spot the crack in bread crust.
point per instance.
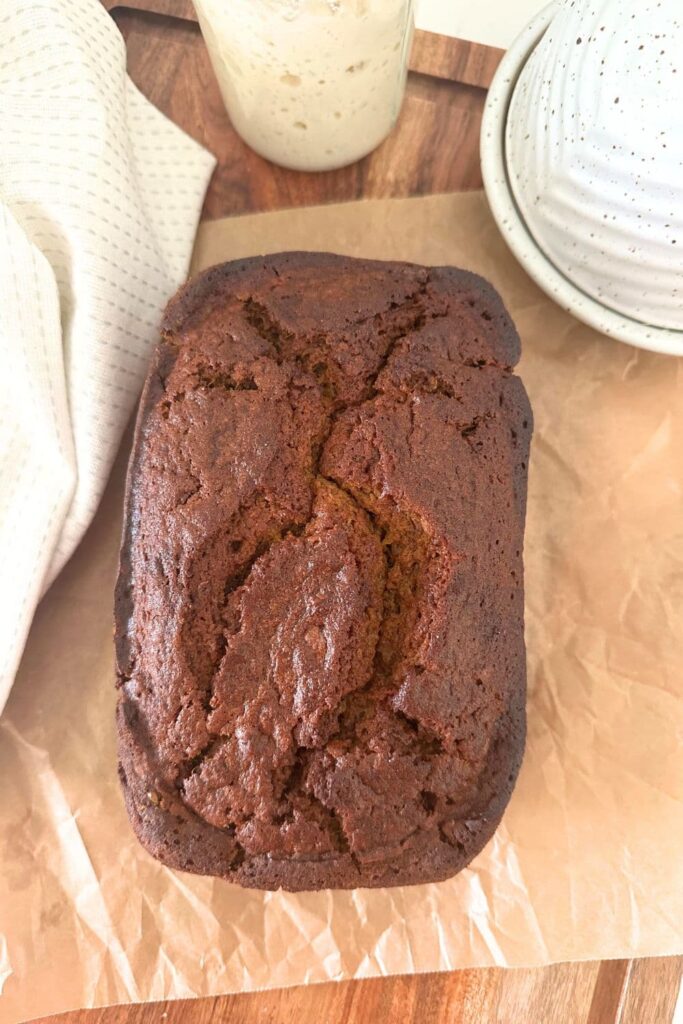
(399, 590)
(290, 800)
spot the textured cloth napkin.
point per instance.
(99, 201)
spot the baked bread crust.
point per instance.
(319, 610)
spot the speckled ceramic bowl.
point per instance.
(591, 278)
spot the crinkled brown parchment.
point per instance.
(587, 862)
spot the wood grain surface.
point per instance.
(433, 149)
(614, 992)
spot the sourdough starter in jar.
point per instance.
(309, 84)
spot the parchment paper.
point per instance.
(588, 861)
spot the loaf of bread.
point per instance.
(319, 611)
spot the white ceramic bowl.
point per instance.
(518, 233)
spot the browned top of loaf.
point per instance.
(319, 611)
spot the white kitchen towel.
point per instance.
(100, 196)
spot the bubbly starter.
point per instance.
(309, 84)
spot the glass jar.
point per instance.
(310, 84)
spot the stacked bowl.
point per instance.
(582, 155)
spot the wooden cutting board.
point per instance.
(434, 147)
